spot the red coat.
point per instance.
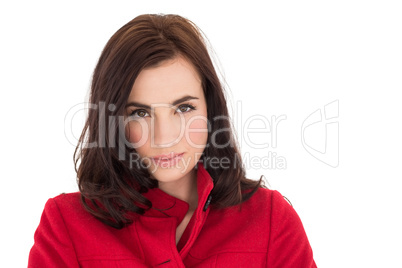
(265, 232)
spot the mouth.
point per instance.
(167, 159)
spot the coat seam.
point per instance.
(105, 258)
(262, 251)
(270, 230)
(68, 232)
(216, 260)
(138, 239)
(175, 252)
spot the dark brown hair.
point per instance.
(110, 188)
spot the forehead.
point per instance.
(168, 81)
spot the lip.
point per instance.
(166, 157)
(167, 160)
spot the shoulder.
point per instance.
(259, 211)
(266, 199)
(65, 216)
(67, 198)
(267, 210)
(65, 202)
(69, 209)
(275, 206)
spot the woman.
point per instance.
(160, 177)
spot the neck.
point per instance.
(184, 189)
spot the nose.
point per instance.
(167, 129)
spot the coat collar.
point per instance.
(165, 205)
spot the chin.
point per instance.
(169, 174)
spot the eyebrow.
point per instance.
(145, 106)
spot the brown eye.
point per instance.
(139, 113)
(185, 108)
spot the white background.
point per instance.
(279, 58)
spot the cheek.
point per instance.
(197, 132)
(137, 135)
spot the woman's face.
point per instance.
(168, 119)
